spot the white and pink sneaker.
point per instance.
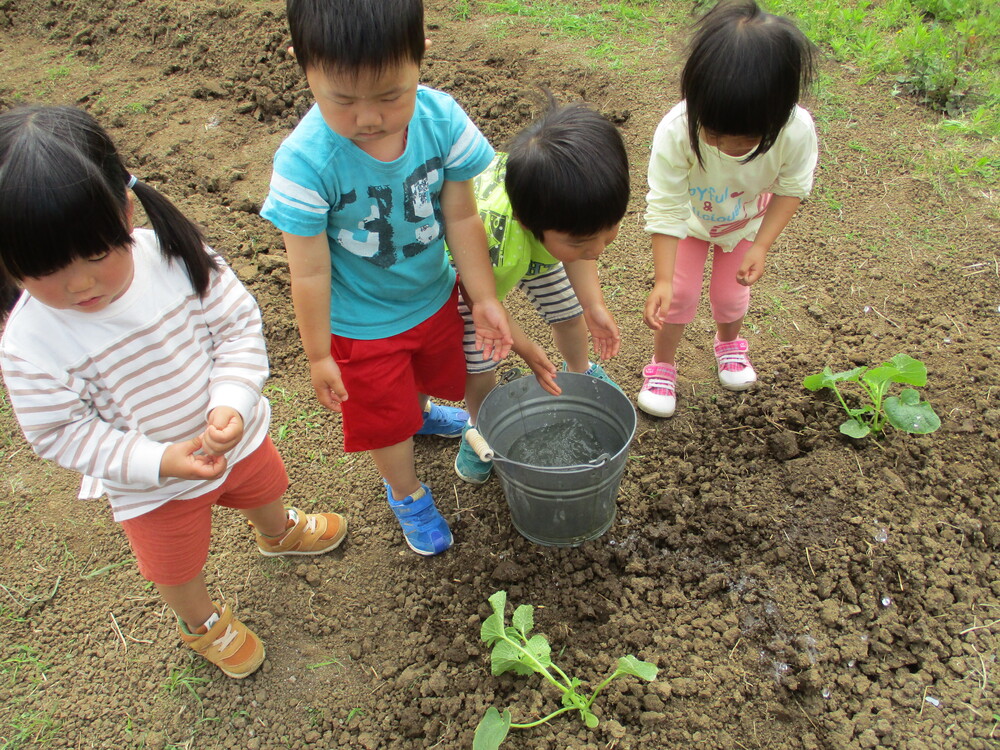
(735, 371)
(659, 389)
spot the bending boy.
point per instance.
(365, 191)
(551, 205)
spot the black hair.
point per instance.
(568, 171)
(64, 195)
(745, 72)
(356, 35)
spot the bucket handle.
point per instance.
(482, 448)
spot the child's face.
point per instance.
(372, 110)
(87, 284)
(567, 248)
(731, 145)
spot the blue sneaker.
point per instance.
(444, 421)
(596, 371)
(468, 465)
(425, 529)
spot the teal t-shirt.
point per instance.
(514, 251)
(388, 268)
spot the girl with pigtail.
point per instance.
(136, 358)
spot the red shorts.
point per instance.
(171, 543)
(383, 378)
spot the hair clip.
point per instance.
(131, 182)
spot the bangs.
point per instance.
(55, 207)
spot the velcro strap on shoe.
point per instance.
(404, 510)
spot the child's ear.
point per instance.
(427, 44)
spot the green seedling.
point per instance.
(904, 412)
(515, 651)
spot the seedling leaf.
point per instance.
(909, 371)
(492, 730)
(499, 603)
(540, 649)
(820, 380)
(507, 657)
(910, 414)
(641, 669)
(492, 629)
(524, 619)
(855, 429)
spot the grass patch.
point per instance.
(945, 53)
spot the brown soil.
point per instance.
(796, 589)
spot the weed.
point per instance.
(185, 679)
(25, 665)
(30, 729)
(326, 663)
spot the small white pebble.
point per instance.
(932, 700)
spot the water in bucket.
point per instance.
(560, 459)
(564, 443)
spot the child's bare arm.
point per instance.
(534, 356)
(601, 323)
(466, 239)
(779, 213)
(658, 301)
(309, 264)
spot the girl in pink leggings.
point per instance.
(729, 166)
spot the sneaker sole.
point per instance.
(656, 412)
(469, 479)
(300, 552)
(439, 434)
(425, 553)
(241, 675)
(739, 388)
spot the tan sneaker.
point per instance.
(228, 644)
(308, 534)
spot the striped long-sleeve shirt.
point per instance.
(104, 393)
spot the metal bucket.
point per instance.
(558, 505)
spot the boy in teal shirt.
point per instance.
(365, 191)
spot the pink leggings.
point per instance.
(729, 298)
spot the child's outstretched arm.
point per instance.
(601, 323)
(658, 301)
(466, 237)
(309, 264)
(534, 356)
(779, 212)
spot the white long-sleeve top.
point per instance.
(723, 201)
(104, 393)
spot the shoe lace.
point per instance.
(733, 361)
(223, 641)
(660, 382)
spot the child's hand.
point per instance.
(603, 331)
(542, 367)
(183, 461)
(327, 382)
(224, 431)
(752, 267)
(493, 335)
(657, 305)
